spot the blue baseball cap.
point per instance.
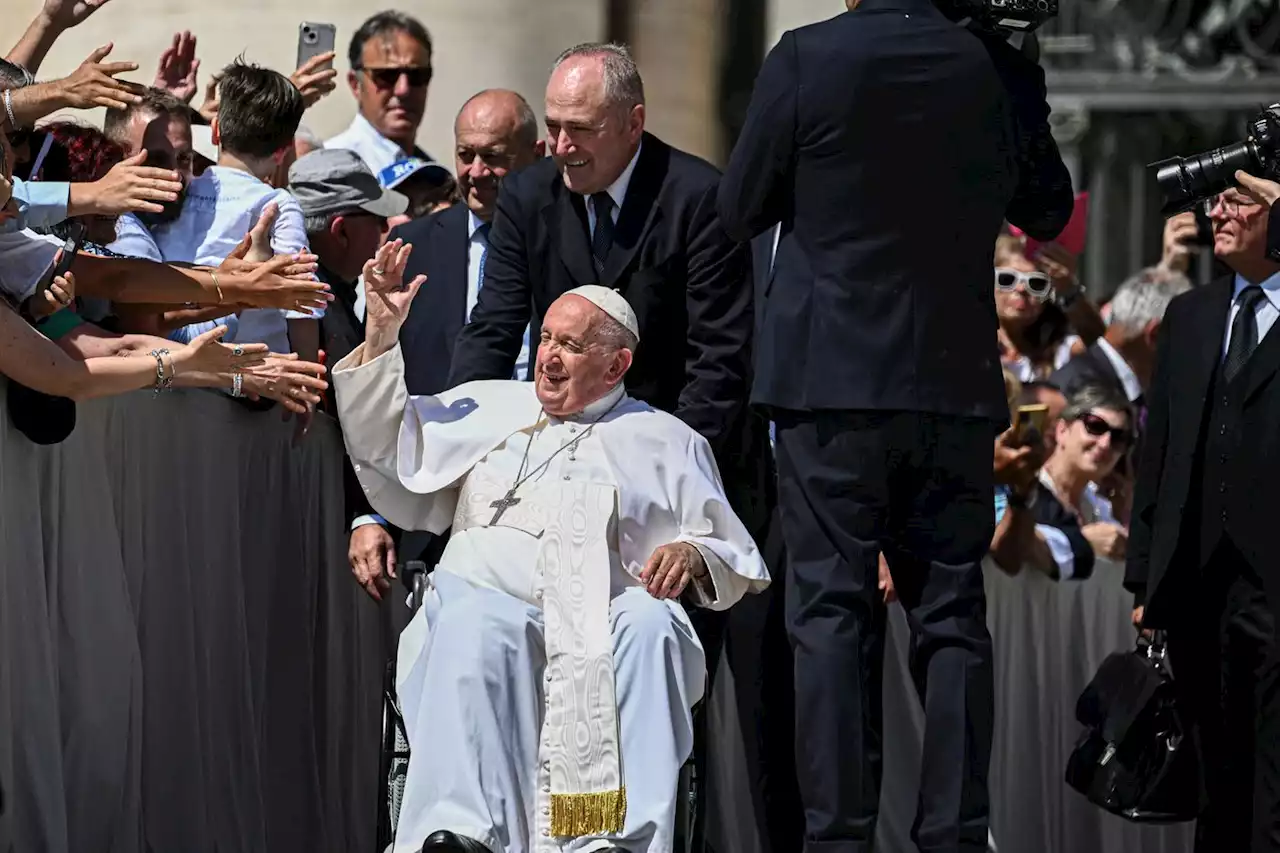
(402, 170)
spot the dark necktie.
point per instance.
(1244, 332)
(602, 237)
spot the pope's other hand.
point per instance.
(671, 569)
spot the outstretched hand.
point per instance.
(94, 84)
(179, 67)
(387, 297)
(65, 14)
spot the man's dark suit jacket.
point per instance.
(441, 244)
(688, 283)
(1162, 556)
(1091, 367)
(891, 144)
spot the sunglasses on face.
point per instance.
(1096, 426)
(387, 78)
(1037, 283)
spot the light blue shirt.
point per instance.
(221, 206)
(41, 204)
(1266, 312)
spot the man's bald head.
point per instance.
(495, 133)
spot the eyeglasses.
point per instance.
(1096, 426)
(387, 78)
(1232, 205)
(1037, 283)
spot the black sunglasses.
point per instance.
(1121, 437)
(386, 78)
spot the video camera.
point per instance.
(1187, 181)
(1008, 16)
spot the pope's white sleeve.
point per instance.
(710, 525)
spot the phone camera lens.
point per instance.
(309, 36)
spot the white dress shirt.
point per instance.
(372, 147)
(1128, 379)
(1266, 311)
(617, 191)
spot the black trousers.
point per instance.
(919, 488)
(1224, 661)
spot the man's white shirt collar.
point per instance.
(1128, 379)
(473, 223)
(618, 189)
(363, 138)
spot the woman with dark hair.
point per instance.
(74, 153)
(1040, 327)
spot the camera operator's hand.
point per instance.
(1179, 231)
(1016, 464)
(1260, 189)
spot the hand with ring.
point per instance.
(206, 355)
(387, 298)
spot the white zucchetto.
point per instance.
(610, 302)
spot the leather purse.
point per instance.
(1137, 756)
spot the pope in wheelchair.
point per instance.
(546, 682)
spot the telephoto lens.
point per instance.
(1186, 181)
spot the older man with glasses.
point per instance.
(1201, 550)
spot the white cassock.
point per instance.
(545, 692)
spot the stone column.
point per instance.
(677, 45)
(478, 44)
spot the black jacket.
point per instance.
(688, 283)
(441, 245)
(1163, 558)
(891, 144)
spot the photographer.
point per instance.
(890, 143)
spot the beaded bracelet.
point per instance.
(237, 385)
(8, 108)
(164, 380)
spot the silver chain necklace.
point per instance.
(509, 500)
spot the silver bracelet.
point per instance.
(237, 385)
(164, 381)
(8, 108)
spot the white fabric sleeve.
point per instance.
(25, 259)
(1060, 549)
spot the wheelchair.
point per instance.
(394, 766)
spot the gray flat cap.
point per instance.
(334, 180)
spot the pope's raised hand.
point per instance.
(387, 297)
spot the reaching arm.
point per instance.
(1043, 200)
(53, 19)
(1155, 438)
(755, 191)
(488, 346)
(720, 304)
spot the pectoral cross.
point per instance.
(502, 504)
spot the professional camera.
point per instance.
(1187, 181)
(1010, 16)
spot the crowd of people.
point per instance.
(470, 325)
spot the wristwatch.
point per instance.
(1021, 501)
(1065, 299)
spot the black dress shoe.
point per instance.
(444, 841)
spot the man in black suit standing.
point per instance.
(1202, 550)
(495, 134)
(617, 206)
(890, 144)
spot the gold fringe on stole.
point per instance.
(575, 815)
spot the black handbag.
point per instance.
(1137, 757)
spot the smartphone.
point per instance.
(1033, 416)
(70, 249)
(315, 39)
